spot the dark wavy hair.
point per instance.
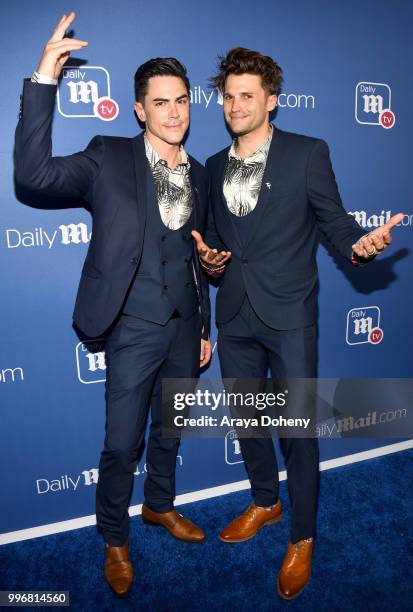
(158, 66)
(246, 61)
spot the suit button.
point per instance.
(134, 261)
(244, 261)
(163, 238)
(165, 287)
(164, 263)
(188, 284)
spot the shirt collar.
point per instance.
(260, 153)
(154, 158)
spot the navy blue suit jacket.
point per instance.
(277, 264)
(110, 176)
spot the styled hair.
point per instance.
(245, 61)
(158, 66)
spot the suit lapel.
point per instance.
(141, 170)
(222, 203)
(270, 179)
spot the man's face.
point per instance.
(246, 103)
(165, 109)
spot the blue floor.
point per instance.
(363, 558)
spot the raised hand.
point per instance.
(210, 256)
(376, 241)
(58, 48)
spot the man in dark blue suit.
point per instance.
(270, 193)
(141, 284)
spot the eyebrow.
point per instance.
(167, 99)
(250, 93)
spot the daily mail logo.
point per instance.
(232, 448)
(84, 91)
(363, 325)
(373, 104)
(90, 361)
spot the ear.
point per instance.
(271, 102)
(140, 111)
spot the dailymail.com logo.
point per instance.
(373, 104)
(363, 325)
(84, 91)
(232, 448)
(90, 361)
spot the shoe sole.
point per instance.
(153, 524)
(270, 522)
(281, 594)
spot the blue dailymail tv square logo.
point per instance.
(91, 363)
(80, 89)
(371, 100)
(232, 448)
(362, 323)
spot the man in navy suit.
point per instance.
(270, 192)
(141, 284)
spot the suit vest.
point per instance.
(164, 281)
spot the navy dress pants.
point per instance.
(139, 354)
(247, 348)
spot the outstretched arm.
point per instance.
(340, 228)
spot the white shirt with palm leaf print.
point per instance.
(173, 187)
(243, 177)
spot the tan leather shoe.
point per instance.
(118, 569)
(296, 569)
(250, 522)
(178, 526)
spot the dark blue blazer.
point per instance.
(110, 176)
(277, 264)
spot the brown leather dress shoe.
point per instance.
(178, 526)
(118, 569)
(296, 569)
(250, 522)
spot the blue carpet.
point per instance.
(362, 558)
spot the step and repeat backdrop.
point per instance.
(346, 79)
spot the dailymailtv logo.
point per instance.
(232, 448)
(90, 361)
(84, 91)
(363, 325)
(373, 104)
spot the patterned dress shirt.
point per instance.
(243, 177)
(173, 187)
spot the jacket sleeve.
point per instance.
(35, 167)
(340, 229)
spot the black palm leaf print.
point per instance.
(173, 188)
(174, 200)
(243, 182)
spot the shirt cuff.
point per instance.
(43, 79)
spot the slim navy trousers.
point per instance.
(247, 348)
(138, 355)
